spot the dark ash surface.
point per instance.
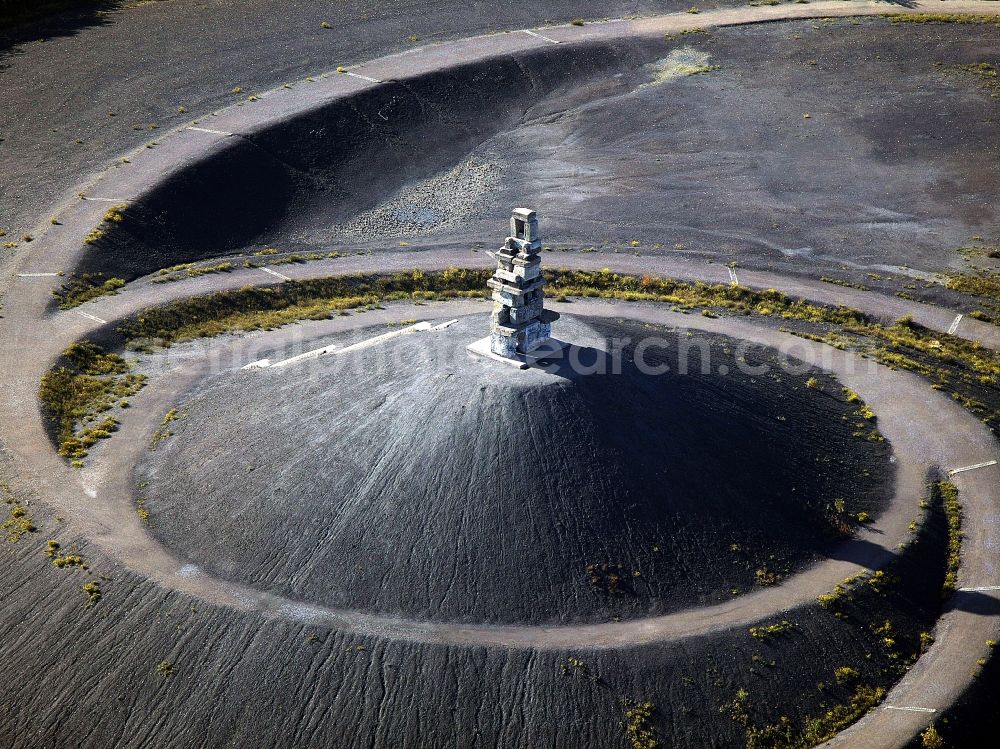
(417, 481)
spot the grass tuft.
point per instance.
(973, 18)
(88, 383)
(953, 512)
(18, 523)
(83, 288)
(638, 727)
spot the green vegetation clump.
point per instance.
(975, 18)
(977, 284)
(959, 366)
(846, 674)
(573, 666)
(607, 578)
(842, 282)
(687, 296)
(638, 730)
(68, 560)
(785, 734)
(865, 413)
(739, 708)
(85, 287)
(771, 630)
(295, 257)
(254, 308)
(696, 69)
(18, 523)
(191, 270)
(141, 511)
(931, 739)
(953, 512)
(89, 382)
(964, 368)
(53, 550)
(926, 640)
(986, 73)
(114, 215)
(843, 592)
(766, 578)
(93, 591)
(166, 669)
(162, 433)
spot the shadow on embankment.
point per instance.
(22, 21)
(326, 165)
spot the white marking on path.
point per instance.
(541, 36)
(986, 464)
(314, 354)
(208, 130)
(386, 336)
(106, 200)
(444, 325)
(954, 325)
(36, 275)
(981, 589)
(732, 277)
(363, 77)
(275, 273)
(332, 349)
(910, 709)
(89, 316)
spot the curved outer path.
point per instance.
(925, 428)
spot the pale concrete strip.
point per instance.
(89, 316)
(313, 354)
(36, 275)
(442, 326)
(105, 200)
(985, 464)
(332, 349)
(954, 326)
(259, 364)
(208, 130)
(909, 709)
(541, 36)
(363, 77)
(275, 273)
(982, 589)
(416, 328)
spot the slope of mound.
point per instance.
(410, 478)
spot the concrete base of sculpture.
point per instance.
(545, 349)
